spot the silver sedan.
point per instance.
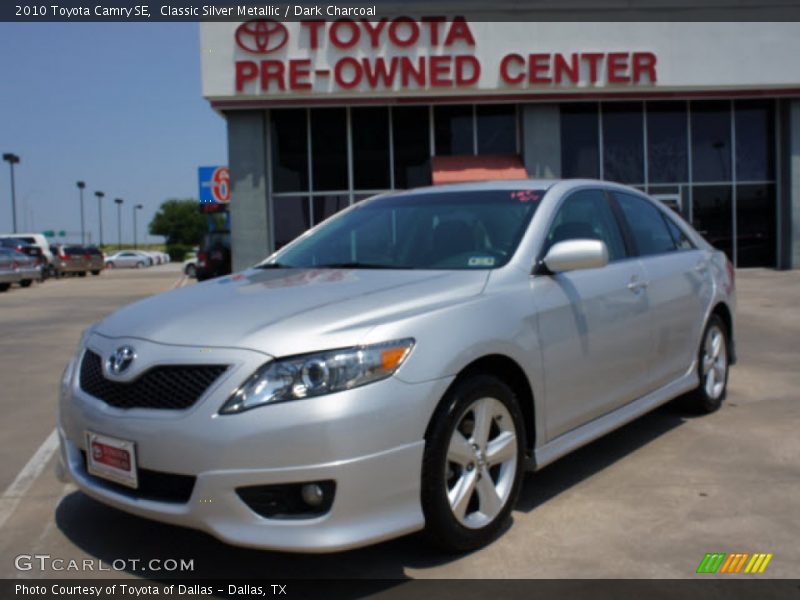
(400, 366)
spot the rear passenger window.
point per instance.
(682, 242)
(649, 230)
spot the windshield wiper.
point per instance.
(274, 265)
(358, 265)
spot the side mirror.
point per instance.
(573, 255)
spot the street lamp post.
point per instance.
(118, 202)
(135, 234)
(12, 159)
(81, 186)
(100, 196)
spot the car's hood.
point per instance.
(288, 311)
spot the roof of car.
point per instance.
(509, 184)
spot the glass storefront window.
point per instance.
(667, 159)
(371, 162)
(329, 148)
(712, 215)
(289, 150)
(328, 205)
(454, 129)
(292, 217)
(623, 142)
(755, 225)
(410, 129)
(755, 142)
(579, 141)
(711, 141)
(497, 128)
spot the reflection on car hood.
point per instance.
(289, 311)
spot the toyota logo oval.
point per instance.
(261, 36)
(121, 359)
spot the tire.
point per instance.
(4, 287)
(713, 366)
(140, 265)
(82, 274)
(95, 272)
(26, 282)
(451, 462)
(109, 265)
(191, 271)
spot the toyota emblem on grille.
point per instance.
(121, 360)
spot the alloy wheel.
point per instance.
(715, 363)
(481, 463)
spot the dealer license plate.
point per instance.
(112, 459)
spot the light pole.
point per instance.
(12, 159)
(100, 196)
(81, 186)
(135, 235)
(118, 202)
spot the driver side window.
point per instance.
(586, 214)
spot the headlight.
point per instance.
(316, 374)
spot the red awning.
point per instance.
(462, 169)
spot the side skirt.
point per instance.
(572, 440)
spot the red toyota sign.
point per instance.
(384, 54)
(261, 36)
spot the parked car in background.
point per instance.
(36, 268)
(190, 264)
(129, 259)
(214, 256)
(97, 259)
(401, 366)
(8, 268)
(40, 241)
(70, 260)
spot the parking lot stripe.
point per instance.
(24, 480)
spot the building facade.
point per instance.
(704, 116)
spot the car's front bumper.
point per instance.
(369, 440)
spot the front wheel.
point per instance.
(26, 282)
(140, 265)
(95, 272)
(191, 271)
(4, 287)
(473, 463)
(712, 368)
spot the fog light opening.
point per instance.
(312, 495)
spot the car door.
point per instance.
(678, 286)
(592, 324)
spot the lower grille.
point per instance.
(173, 387)
(153, 485)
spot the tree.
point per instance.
(180, 221)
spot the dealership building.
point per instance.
(702, 115)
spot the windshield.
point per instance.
(444, 230)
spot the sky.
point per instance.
(117, 105)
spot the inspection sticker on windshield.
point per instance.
(112, 459)
(481, 261)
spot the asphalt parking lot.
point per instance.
(646, 501)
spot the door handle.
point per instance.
(635, 285)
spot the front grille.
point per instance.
(172, 387)
(153, 485)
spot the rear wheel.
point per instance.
(472, 466)
(95, 272)
(26, 282)
(191, 271)
(712, 369)
(140, 265)
(4, 287)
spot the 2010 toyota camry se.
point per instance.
(400, 366)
